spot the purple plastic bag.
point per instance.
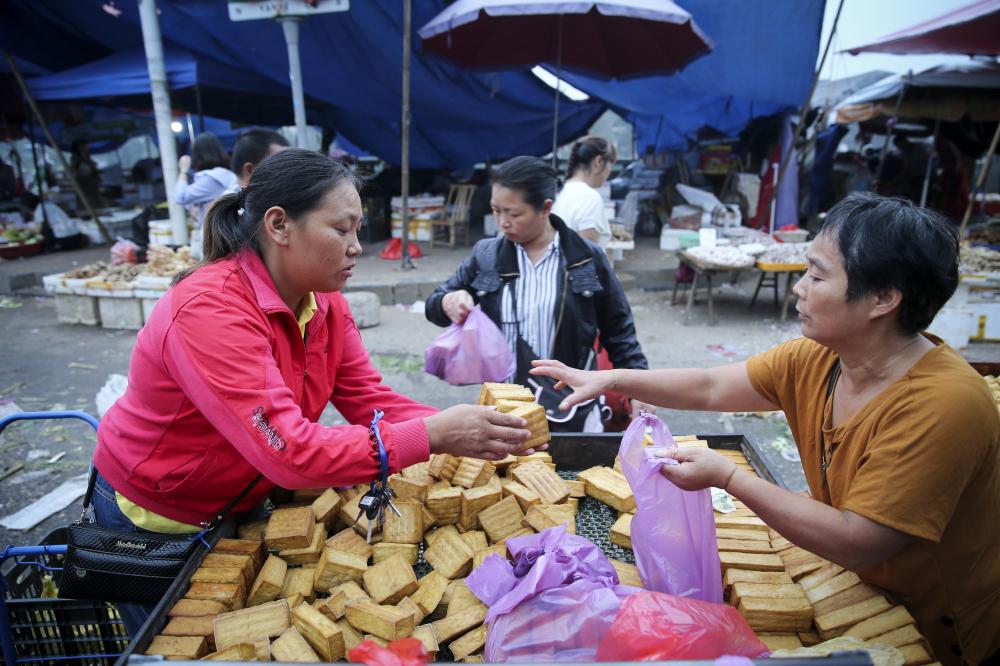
(471, 353)
(554, 603)
(673, 532)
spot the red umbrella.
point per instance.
(970, 30)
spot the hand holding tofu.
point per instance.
(476, 431)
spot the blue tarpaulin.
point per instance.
(763, 61)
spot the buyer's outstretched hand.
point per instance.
(585, 384)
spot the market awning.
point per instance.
(970, 30)
(945, 92)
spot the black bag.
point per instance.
(111, 565)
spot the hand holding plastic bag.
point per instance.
(673, 532)
(553, 603)
(473, 352)
(652, 626)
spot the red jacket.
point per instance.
(222, 386)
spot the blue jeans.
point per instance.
(107, 514)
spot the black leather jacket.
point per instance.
(590, 299)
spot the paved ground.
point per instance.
(45, 365)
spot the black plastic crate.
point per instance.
(59, 631)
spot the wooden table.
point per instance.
(708, 271)
(771, 273)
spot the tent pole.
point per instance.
(153, 45)
(888, 137)
(190, 126)
(62, 158)
(555, 121)
(290, 26)
(38, 172)
(197, 105)
(930, 163)
(979, 181)
(405, 132)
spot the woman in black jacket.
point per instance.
(551, 292)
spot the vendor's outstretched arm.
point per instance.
(726, 388)
(848, 539)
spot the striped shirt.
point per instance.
(537, 290)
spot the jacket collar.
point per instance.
(571, 244)
(265, 293)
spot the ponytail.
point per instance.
(293, 179)
(586, 150)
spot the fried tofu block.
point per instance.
(475, 539)
(252, 547)
(777, 615)
(410, 488)
(325, 507)
(915, 654)
(835, 585)
(473, 472)
(390, 580)
(735, 546)
(833, 624)
(352, 637)
(231, 595)
(820, 576)
(621, 531)
(336, 567)
(802, 569)
(502, 519)
(295, 599)
(291, 647)
(880, 624)
(322, 633)
(350, 513)
(442, 466)
(809, 638)
(543, 516)
(432, 536)
(251, 624)
(741, 590)
(445, 504)
(298, 581)
(431, 589)
(472, 502)
(425, 634)
(196, 608)
(848, 597)
(897, 637)
(628, 574)
(741, 535)
(409, 551)
(310, 554)
(740, 522)
(269, 581)
(191, 626)
(350, 541)
(407, 527)
(339, 596)
(238, 652)
(780, 641)
(608, 486)
(491, 392)
(781, 543)
(734, 575)
(462, 598)
(457, 624)
(289, 528)
(179, 647)
(544, 481)
(232, 561)
(478, 556)
(755, 561)
(203, 575)
(538, 424)
(469, 643)
(449, 556)
(408, 605)
(525, 496)
(386, 622)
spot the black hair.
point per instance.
(586, 150)
(890, 243)
(208, 153)
(252, 146)
(295, 179)
(533, 177)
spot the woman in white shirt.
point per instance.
(579, 203)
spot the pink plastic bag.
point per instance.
(673, 532)
(652, 626)
(471, 353)
(553, 604)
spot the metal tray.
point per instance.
(571, 452)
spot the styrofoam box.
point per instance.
(117, 312)
(75, 309)
(955, 326)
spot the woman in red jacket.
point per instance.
(229, 376)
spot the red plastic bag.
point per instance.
(402, 652)
(394, 250)
(653, 626)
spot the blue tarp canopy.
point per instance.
(763, 61)
(223, 91)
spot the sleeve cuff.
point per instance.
(410, 443)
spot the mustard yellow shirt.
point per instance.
(154, 522)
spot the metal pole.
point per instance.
(979, 181)
(930, 163)
(405, 131)
(555, 121)
(62, 158)
(290, 27)
(190, 126)
(161, 109)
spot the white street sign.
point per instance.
(267, 9)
